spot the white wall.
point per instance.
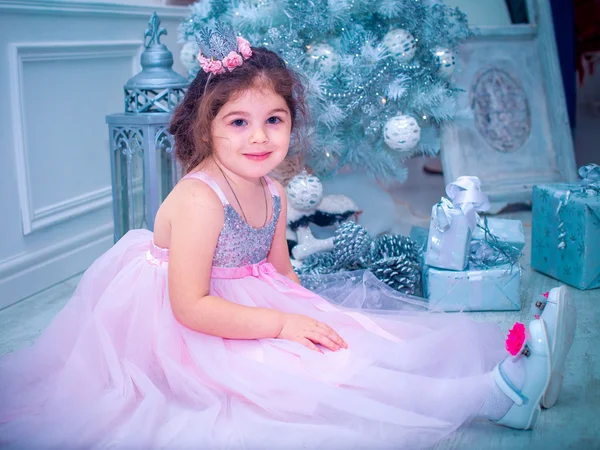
(483, 13)
(63, 69)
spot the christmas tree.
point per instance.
(376, 72)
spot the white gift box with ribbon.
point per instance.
(492, 289)
(453, 221)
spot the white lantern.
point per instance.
(142, 158)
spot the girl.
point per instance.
(199, 335)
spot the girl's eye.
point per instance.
(238, 123)
(273, 120)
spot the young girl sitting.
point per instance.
(199, 335)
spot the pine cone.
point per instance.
(399, 272)
(352, 246)
(389, 246)
(317, 263)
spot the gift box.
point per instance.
(509, 231)
(453, 220)
(473, 289)
(448, 244)
(506, 230)
(565, 241)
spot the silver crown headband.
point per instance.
(221, 50)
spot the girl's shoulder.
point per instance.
(190, 196)
(279, 187)
(193, 193)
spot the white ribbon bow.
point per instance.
(464, 193)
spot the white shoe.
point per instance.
(558, 311)
(523, 414)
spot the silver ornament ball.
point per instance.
(446, 59)
(189, 54)
(401, 45)
(304, 191)
(324, 57)
(402, 132)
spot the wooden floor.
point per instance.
(574, 423)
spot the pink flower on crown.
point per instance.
(244, 47)
(211, 65)
(232, 61)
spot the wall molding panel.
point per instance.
(30, 272)
(64, 66)
(20, 54)
(73, 207)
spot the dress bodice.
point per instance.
(239, 243)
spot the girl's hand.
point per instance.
(308, 332)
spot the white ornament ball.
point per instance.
(304, 191)
(324, 57)
(402, 133)
(189, 54)
(401, 45)
(446, 59)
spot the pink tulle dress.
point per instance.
(116, 370)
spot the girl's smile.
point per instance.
(257, 156)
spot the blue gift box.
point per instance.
(506, 230)
(565, 241)
(492, 289)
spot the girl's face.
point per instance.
(251, 133)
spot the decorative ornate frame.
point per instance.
(513, 132)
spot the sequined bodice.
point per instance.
(239, 244)
(242, 245)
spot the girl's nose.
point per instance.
(259, 136)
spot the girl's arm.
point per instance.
(196, 220)
(197, 217)
(279, 254)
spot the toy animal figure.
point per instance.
(306, 206)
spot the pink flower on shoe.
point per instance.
(515, 341)
(244, 47)
(232, 61)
